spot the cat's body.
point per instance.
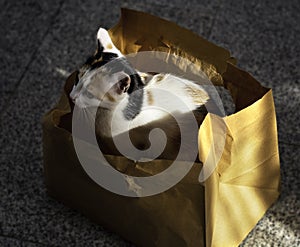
(164, 94)
(129, 100)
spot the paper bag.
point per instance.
(218, 212)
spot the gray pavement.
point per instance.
(41, 42)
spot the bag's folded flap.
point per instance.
(246, 180)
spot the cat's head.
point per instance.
(106, 77)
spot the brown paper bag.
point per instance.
(219, 212)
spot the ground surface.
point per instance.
(42, 41)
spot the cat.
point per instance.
(127, 99)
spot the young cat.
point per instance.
(129, 100)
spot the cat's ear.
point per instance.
(105, 43)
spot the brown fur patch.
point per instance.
(159, 78)
(144, 78)
(150, 98)
(109, 46)
(199, 96)
(110, 97)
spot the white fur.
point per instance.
(169, 97)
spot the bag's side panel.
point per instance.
(247, 179)
(173, 218)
